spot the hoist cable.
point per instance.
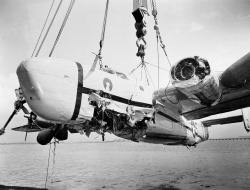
(141, 71)
(63, 24)
(104, 27)
(48, 28)
(43, 27)
(131, 72)
(146, 76)
(158, 66)
(149, 76)
(158, 34)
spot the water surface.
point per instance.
(127, 165)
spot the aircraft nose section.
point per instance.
(49, 86)
(27, 80)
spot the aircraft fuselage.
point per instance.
(59, 90)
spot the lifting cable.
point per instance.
(146, 70)
(104, 27)
(156, 27)
(99, 55)
(48, 28)
(43, 27)
(63, 24)
(103, 33)
(158, 37)
(140, 9)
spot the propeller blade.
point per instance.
(25, 110)
(11, 116)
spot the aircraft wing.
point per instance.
(222, 121)
(233, 83)
(27, 128)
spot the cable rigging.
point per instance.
(158, 38)
(99, 55)
(101, 43)
(43, 28)
(62, 26)
(48, 29)
(140, 9)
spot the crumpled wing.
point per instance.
(232, 99)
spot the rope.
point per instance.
(54, 160)
(43, 27)
(63, 24)
(48, 29)
(48, 167)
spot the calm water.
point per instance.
(128, 165)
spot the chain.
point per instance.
(156, 27)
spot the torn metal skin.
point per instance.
(131, 124)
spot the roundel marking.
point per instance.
(108, 85)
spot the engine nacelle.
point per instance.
(192, 76)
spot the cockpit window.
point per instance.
(121, 75)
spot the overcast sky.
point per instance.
(217, 30)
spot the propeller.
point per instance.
(18, 105)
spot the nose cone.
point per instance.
(49, 86)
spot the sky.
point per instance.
(217, 30)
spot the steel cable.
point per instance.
(45, 36)
(43, 27)
(62, 27)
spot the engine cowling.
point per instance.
(192, 76)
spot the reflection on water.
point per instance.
(128, 165)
